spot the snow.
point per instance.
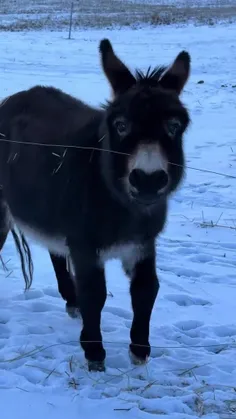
(191, 371)
(188, 3)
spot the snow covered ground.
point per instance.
(192, 369)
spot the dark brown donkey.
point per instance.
(106, 197)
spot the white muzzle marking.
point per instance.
(148, 158)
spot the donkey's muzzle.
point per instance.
(147, 187)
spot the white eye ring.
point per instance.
(172, 127)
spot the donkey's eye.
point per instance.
(121, 127)
(172, 127)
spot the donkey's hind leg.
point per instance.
(66, 286)
(3, 237)
(4, 227)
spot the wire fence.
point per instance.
(91, 148)
(219, 346)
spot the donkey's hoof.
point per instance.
(96, 366)
(136, 360)
(72, 311)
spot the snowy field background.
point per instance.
(54, 15)
(192, 371)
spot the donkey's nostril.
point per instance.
(161, 179)
(148, 183)
(137, 178)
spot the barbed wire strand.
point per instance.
(91, 148)
(44, 348)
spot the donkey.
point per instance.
(94, 183)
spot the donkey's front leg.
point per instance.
(90, 277)
(144, 289)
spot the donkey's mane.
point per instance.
(150, 75)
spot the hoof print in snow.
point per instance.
(184, 300)
(137, 361)
(72, 311)
(200, 82)
(96, 366)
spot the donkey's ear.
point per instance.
(177, 74)
(116, 72)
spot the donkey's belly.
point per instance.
(55, 244)
(37, 214)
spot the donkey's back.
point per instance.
(38, 168)
(56, 113)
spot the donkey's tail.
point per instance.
(25, 257)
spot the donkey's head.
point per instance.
(144, 123)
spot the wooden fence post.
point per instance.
(71, 14)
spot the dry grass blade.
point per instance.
(127, 409)
(71, 364)
(190, 370)
(46, 370)
(22, 389)
(149, 385)
(73, 383)
(211, 224)
(4, 265)
(25, 355)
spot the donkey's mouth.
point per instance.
(146, 200)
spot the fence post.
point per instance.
(71, 13)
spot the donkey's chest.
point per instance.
(127, 228)
(127, 253)
(125, 239)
